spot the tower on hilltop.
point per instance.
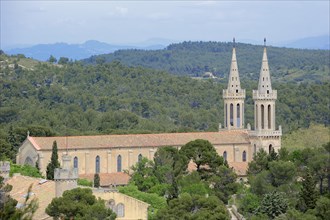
(267, 136)
(234, 97)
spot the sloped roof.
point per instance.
(108, 179)
(43, 192)
(139, 140)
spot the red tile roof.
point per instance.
(139, 140)
(108, 179)
(239, 167)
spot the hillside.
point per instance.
(75, 99)
(196, 58)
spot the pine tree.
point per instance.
(96, 180)
(54, 163)
(308, 194)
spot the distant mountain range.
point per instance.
(77, 51)
(92, 47)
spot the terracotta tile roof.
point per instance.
(239, 167)
(43, 192)
(108, 179)
(139, 140)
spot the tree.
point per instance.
(322, 208)
(63, 60)
(225, 183)
(52, 59)
(54, 163)
(282, 172)
(273, 204)
(194, 207)
(203, 154)
(259, 163)
(143, 175)
(79, 203)
(308, 195)
(96, 180)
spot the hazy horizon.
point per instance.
(131, 22)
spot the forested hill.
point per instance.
(75, 99)
(196, 58)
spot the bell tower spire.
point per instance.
(267, 136)
(234, 97)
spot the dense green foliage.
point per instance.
(25, 170)
(73, 99)
(197, 194)
(85, 182)
(194, 207)
(8, 208)
(79, 203)
(196, 58)
(53, 164)
(289, 185)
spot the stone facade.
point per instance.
(115, 153)
(4, 169)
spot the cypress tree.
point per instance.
(54, 163)
(96, 180)
(308, 194)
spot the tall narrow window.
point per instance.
(119, 163)
(257, 118)
(262, 117)
(231, 111)
(120, 210)
(139, 157)
(238, 115)
(75, 162)
(226, 120)
(97, 164)
(269, 117)
(270, 148)
(224, 155)
(244, 156)
(255, 149)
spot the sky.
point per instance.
(128, 22)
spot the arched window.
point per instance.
(97, 164)
(238, 115)
(262, 117)
(224, 155)
(29, 161)
(119, 163)
(244, 156)
(270, 148)
(139, 157)
(75, 162)
(120, 210)
(112, 205)
(269, 117)
(256, 117)
(231, 112)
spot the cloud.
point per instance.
(121, 10)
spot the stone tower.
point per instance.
(265, 134)
(66, 177)
(4, 169)
(234, 97)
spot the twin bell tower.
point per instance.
(264, 134)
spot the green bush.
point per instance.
(25, 170)
(85, 182)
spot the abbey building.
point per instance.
(110, 155)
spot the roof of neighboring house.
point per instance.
(44, 192)
(239, 167)
(108, 179)
(139, 140)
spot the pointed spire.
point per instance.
(264, 85)
(234, 82)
